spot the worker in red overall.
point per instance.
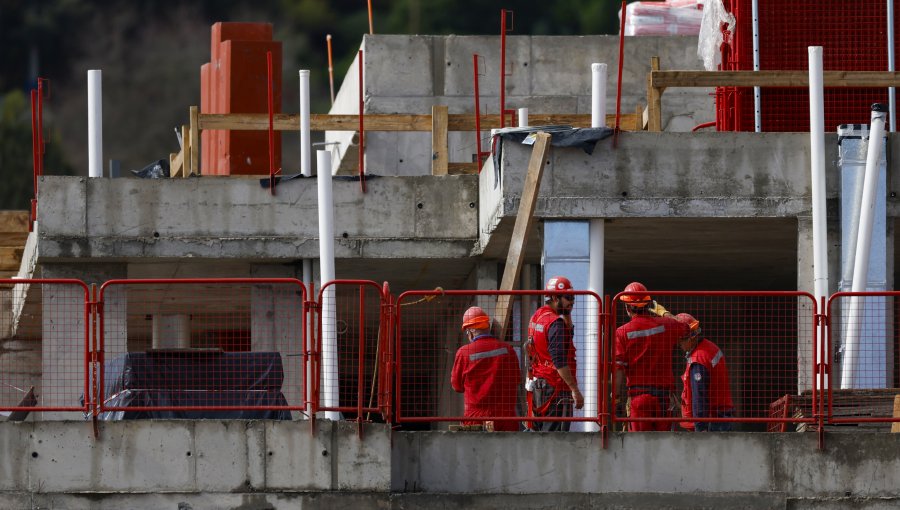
(643, 350)
(706, 390)
(486, 371)
(552, 388)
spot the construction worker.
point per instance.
(486, 371)
(552, 388)
(706, 392)
(643, 349)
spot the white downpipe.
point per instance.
(817, 160)
(850, 376)
(757, 107)
(598, 95)
(329, 394)
(523, 117)
(305, 156)
(892, 92)
(590, 381)
(95, 123)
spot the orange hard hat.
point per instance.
(689, 319)
(559, 283)
(476, 318)
(636, 299)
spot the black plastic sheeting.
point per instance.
(560, 136)
(192, 379)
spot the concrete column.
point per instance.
(62, 352)
(275, 325)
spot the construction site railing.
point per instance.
(351, 358)
(769, 341)
(45, 348)
(211, 348)
(862, 347)
(431, 342)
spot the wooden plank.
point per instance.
(195, 140)
(871, 79)
(13, 221)
(895, 427)
(654, 98)
(522, 227)
(175, 161)
(14, 239)
(186, 151)
(462, 168)
(439, 146)
(10, 258)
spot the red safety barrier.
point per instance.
(431, 342)
(863, 349)
(767, 341)
(351, 358)
(202, 348)
(44, 347)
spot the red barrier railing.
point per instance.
(211, 348)
(863, 349)
(429, 340)
(769, 340)
(349, 360)
(44, 347)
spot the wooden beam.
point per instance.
(895, 427)
(10, 258)
(13, 238)
(439, 145)
(13, 221)
(186, 151)
(462, 168)
(195, 140)
(175, 163)
(654, 98)
(865, 79)
(522, 227)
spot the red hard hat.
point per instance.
(689, 319)
(559, 283)
(476, 318)
(636, 299)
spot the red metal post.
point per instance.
(35, 156)
(271, 101)
(362, 131)
(619, 82)
(502, 68)
(330, 68)
(40, 120)
(479, 155)
(360, 372)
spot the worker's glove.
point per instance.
(657, 309)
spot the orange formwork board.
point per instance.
(242, 88)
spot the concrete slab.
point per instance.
(298, 460)
(410, 72)
(221, 451)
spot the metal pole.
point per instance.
(757, 111)
(892, 92)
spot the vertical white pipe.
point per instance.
(329, 394)
(757, 108)
(95, 123)
(523, 117)
(892, 92)
(817, 160)
(305, 156)
(593, 339)
(598, 95)
(850, 375)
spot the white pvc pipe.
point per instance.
(757, 95)
(523, 117)
(305, 163)
(591, 379)
(329, 393)
(598, 95)
(850, 375)
(95, 123)
(892, 92)
(817, 163)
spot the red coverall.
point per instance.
(644, 351)
(487, 371)
(542, 365)
(717, 399)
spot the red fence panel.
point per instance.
(863, 349)
(768, 340)
(202, 348)
(430, 338)
(351, 356)
(44, 347)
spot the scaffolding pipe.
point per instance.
(850, 376)
(329, 395)
(892, 92)
(95, 123)
(598, 95)
(757, 94)
(817, 160)
(330, 68)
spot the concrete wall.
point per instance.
(276, 465)
(547, 74)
